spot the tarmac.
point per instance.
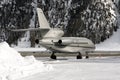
(91, 54)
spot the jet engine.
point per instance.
(60, 41)
(63, 42)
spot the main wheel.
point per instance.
(87, 56)
(79, 56)
(53, 56)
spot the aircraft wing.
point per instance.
(29, 29)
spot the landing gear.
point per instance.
(79, 56)
(87, 56)
(53, 56)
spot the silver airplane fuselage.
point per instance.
(68, 44)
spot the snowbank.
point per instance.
(13, 65)
(111, 44)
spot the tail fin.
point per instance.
(42, 19)
(45, 29)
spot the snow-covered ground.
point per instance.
(14, 66)
(85, 69)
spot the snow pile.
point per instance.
(111, 44)
(13, 65)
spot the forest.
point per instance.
(93, 19)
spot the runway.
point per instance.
(91, 54)
(104, 68)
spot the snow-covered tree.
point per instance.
(14, 14)
(97, 22)
(94, 19)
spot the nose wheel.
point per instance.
(79, 56)
(53, 56)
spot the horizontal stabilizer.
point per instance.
(29, 29)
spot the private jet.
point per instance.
(53, 40)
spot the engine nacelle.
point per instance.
(63, 42)
(60, 41)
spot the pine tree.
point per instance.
(14, 14)
(97, 22)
